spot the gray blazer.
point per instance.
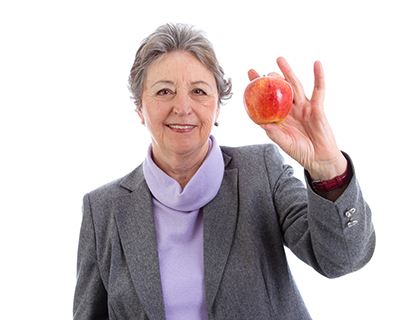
(259, 208)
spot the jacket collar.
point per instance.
(132, 180)
(135, 223)
(138, 237)
(220, 219)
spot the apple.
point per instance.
(268, 99)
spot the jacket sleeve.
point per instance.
(335, 238)
(90, 300)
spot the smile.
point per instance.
(175, 126)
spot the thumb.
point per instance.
(275, 133)
(252, 74)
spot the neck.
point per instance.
(180, 167)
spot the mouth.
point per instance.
(180, 127)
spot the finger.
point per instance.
(291, 78)
(318, 95)
(275, 134)
(253, 74)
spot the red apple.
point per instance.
(268, 99)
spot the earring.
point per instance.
(216, 124)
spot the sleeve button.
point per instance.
(352, 223)
(350, 212)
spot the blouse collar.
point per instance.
(199, 191)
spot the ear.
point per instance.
(217, 113)
(140, 113)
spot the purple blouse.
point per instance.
(179, 227)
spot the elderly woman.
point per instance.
(198, 230)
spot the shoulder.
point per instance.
(260, 163)
(268, 150)
(120, 186)
(256, 148)
(98, 204)
(266, 155)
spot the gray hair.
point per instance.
(172, 37)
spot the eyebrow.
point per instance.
(163, 81)
(201, 82)
(171, 82)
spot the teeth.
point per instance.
(180, 127)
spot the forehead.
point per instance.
(179, 65)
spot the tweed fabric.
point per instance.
(259, 209)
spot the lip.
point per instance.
(182, 128)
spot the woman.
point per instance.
(198, 231)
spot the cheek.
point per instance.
(151, 110)
(209, 117)
(217, 112)
(214, 111)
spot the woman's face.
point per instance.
(179, 105)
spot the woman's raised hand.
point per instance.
(306, 135)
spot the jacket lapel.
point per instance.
(135, 223)
(220, 218)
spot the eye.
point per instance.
(199, 92)
(164, 92)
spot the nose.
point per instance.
(182, 104)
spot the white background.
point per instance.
(68, 126)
